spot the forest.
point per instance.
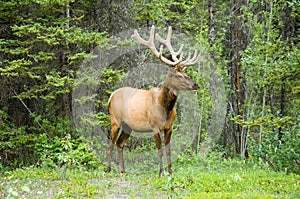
(61, 60)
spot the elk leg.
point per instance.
(167, 139)
(120, 144)
(160, 154)
(114, 133)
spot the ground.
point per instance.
(192, 178)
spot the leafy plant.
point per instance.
(65, 151)
(16, 144)
(281, 154)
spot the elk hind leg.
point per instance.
(126, 131)
(114, 133)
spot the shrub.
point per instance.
(58, 151)
(281, 154)
(17, 144)
(48, 142)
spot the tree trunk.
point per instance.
(212, 41)
(237, 97)
(288, 32)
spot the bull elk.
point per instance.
(150, 110)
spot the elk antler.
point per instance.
(150, 44)
(167, 42)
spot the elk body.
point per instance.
(150, 110)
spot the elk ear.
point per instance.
(172, 69)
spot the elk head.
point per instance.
(176, 79)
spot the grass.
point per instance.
(192, 178)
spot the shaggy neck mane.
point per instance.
(168, 98)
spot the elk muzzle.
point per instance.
(195, 87)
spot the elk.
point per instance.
(150, 110)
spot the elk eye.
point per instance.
(179, 76)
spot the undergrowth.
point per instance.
(193, 177)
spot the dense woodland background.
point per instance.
(254, 45)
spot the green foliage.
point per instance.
(269, 121)
(58, 144)
(185, 14)
(12, 193)
(43, 50)
(49, 82)
(47, 142)
(89, 77)
(281, 154)
(110, 75)
(16, 144)
(271, 69)
(58, 151)
(52, 126)
(43, 46)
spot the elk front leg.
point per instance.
(168, 133)
(120, 144)
(160, 153)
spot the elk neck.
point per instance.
(168, 98)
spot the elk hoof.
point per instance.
(170, 169)
(161, 172)
(122, 171)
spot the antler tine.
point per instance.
(190, 61)
(151, 45)
(179, 52)
(195, 58)
(139, 38)
(167, 43)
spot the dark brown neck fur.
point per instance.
(167, 99)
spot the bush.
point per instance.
(17, 144)
(57, 151)
(281, 155)
(48, 142)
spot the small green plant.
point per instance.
(65, 151)
(13, 193)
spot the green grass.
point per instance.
(192, 178)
